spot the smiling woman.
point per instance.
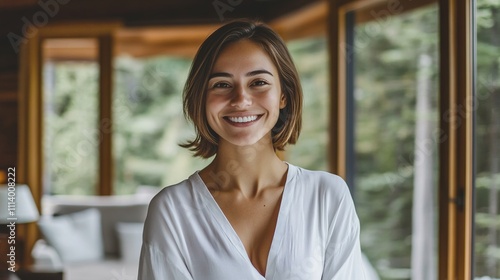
(248, 214)
(272, 51)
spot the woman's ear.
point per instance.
(283, 101)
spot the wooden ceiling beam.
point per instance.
(70, 49)
(308, 21)
(181, 40)
(150, 12)
(177, 31)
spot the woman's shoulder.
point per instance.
(325, 190)
(322, 184)
(320, 178)
(179, 193)
(176, 204)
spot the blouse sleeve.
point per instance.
(155, 266)
(161, 256)
(344, 261)
(343, 258)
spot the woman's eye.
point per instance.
(221, 85)
(260, 83)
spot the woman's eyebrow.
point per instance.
(220, 74)
(228, 75)
(257, 72)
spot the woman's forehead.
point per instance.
(243, 56)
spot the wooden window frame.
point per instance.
(30, 113)
(456, 178)
(456, 124)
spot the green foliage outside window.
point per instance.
(487, 133)
(149, 123)
(311, 59)
(70, 128)
(387, 70)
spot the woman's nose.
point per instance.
(241, 97)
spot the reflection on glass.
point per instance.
(487, 216)
(395, 97)
(70, 116)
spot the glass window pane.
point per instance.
(487, 134)
(393, 60)
(311, 59)
(70, 116)
(149, 123)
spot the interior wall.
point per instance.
(8, 106)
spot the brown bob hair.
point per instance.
(287, 129)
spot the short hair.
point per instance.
(287, 129)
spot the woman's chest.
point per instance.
(297, 252)
(254, 223)
(296, 257)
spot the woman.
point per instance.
(248, 214)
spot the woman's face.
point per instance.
(243, 95)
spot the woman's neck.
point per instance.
(248, 169)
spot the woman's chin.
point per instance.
(245, 143)
(249, 141)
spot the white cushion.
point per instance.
(130, 239)
(76, 237)
(113, 210)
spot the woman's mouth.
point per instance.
(242, 121)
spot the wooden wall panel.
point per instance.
(9, 66)
(8, 132)
(8, 107)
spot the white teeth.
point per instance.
(242, 119)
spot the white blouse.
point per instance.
(187, 236)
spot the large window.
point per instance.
(392, 122)
(487, 136)
(70, 116)
(149, 123)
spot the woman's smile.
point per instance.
(242, 121)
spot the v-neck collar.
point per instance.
(231, 234)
